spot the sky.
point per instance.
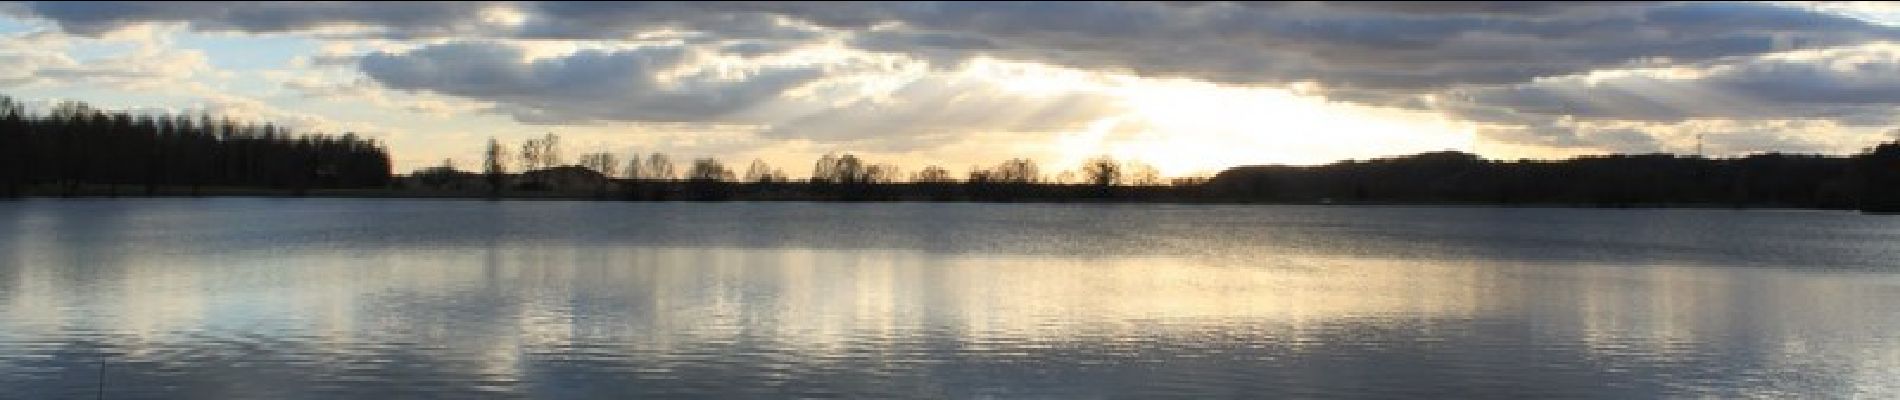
(1189, 87)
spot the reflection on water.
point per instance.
(329, 298)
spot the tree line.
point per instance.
(1866, 181)
(846, 176)
(1869, 181)
(75, 146)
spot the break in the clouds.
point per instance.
(910, 76)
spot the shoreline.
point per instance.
(591, 197)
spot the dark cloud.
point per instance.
(410, 18)
(1854, 86)
(625, 85)
(935, 109)
(619, 20)
(1486, 7)
(590, 85)
(1391, 46)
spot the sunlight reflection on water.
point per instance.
(262, 298)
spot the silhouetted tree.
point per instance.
(604, 163)
(1141, 174)
(934, 182)
(760, 172)
(540, 154)
(977, 174)
(14, 147)
(531, 155)
(709, 169)
(849, 178)
(441, 176)
(75, 145)
(981, 185)
(932, 174)
(633, 169)
(601, 162)
(1102, 171)
(844, 170)
(632, 183)
(882, 174)
(1880, 178)
(708, 179)
(659, 167)
(1016, 171)
(494, 167)
(550, 151)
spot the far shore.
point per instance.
(137, 192)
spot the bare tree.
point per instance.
(659, 167)
(634, 169)
(1102, 171)
(1142, 174)
(550, 151)
(851, 169)
(845, 169)
(1016, 170)
(494, 166)
(931, 174)
(759, 172)
(881, 173)
(822, 170)
(602, 162)
(531, 155)
(979, 175)
(541, 153)
(709, 170)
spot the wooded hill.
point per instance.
(1761, 180)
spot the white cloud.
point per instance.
(131, 60)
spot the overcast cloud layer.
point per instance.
(1615, 76)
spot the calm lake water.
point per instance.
(327, 298)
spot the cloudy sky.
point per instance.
(1189, 87)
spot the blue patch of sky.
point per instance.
(1878, 13)
(11, 26)
(246, 56)
(246, 52)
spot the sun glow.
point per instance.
(1188, 128)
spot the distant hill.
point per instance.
(1761, 180)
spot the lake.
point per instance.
(385, 298)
